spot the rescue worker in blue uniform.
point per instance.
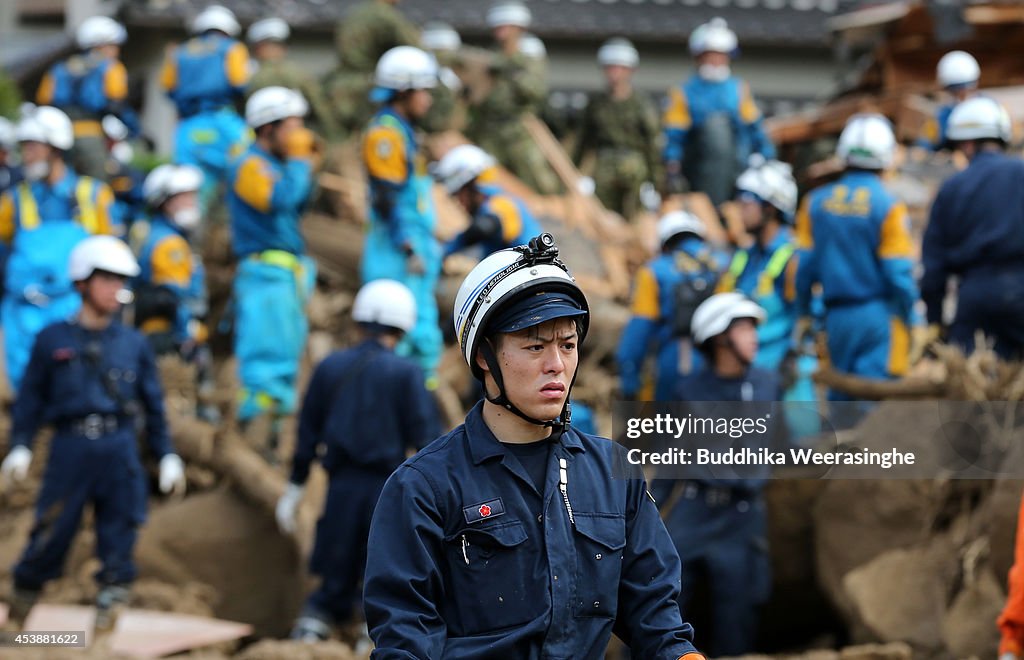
(125, 179)
(510, 537)
(88, 86)
(976, 232)
(10, 173)
(853, 238)
(400, 242)
(711, 123)
(269, 188)
(41, 220)
(719, 526)
(665, 294)
(497, 219)
(91, 378)
(367, 409)
(958, 74)
(205, 77)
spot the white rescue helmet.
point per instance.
(509, 13)
(100, 31)
(618, 52)
(772, 181)
(461, 165)
(714, 316)
(106, 253)
(438, 36)
(268, 29)
(530, 45)
(405, 67)
(216, 17)
(958, 69)
(169, 180)
(978, 118)
(713, 37)
(509, 277)
(867, 142)
(385, 302)
(272, 104)
(48, 125)
(679, 222)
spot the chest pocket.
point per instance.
(600, 539)
(492, 574)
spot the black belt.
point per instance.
(93, 426)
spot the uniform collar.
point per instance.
(483, 445)
(782, 237)
(63, 185)
(260, 151)
(390, 112)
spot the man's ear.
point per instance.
(481, 362)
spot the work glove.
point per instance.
(649, 197)
(15, 466)
(286, 507)
(921, 340)
(586, 186)
(172, 475)
(450, 79)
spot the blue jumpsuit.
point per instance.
(204, 77)
(853, 237)
(654, 311)
(468, 559)
(719, 527)
(502, 221)
(266, 199)
(365, 407)
(92, 386)
(39, 226)
(976, 232)
(935, 129)
(402, 213)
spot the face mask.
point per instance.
(37, 171)
(714, 72)
(122, 152)
(187, 218)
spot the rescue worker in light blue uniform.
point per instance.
(665, 294)
(853, 237)
(512, 536)
(10, 171)
(497, 220)
(88, 86)
(719, 525)
(958, 73)
(269, 188)
(41, 220)
(205, 77)
(365, 411)
(400, 242)
(716, 110)
(91, 378)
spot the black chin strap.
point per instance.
(558, 425)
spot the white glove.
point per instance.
(1008, 656)
(450, 79)
(286, 507)
(172, 475)
(649, 197)
(586, 186)
(15, 466)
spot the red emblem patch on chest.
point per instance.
(484, 510)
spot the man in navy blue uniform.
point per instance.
(368, 409)
(510, 537)
(976, 232)
(719, 525)
(90, 377)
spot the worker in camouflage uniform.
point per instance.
(365, 33)
(268, 40)
(621, 125)
(446, 113)
(518, 89)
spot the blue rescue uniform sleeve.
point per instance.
(933, 253)
(402, 590)
(29, 406)
(485, 227)
(152, 397)
(311, 423)
(636, 336)
(676, 122)
(648, 619)
(896, 254)
(421, 425)
(807, 259)
(753, 122)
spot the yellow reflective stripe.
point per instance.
(279, 258)
(87, 128)
(87, 215)
(736, 267)
(154, 325)
(778, 261)
(28, 210)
